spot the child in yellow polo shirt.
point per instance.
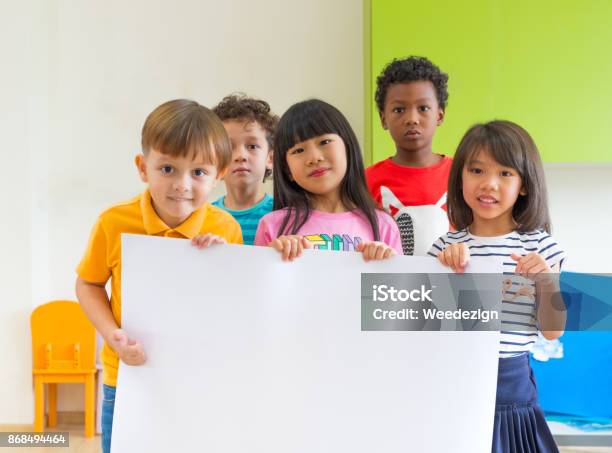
(185, 151)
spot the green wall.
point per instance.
(544, 64)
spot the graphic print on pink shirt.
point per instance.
(340, 231)
(336, 242)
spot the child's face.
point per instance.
(318, 165)
(178, 185)
(251, 154)
(490, 190)
(411, 115)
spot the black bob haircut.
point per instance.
(511, 146)
(301, 122)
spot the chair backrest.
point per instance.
(62, 337)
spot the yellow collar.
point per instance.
(154, 225)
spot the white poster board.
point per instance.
(247, 353)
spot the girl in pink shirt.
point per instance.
(321, 199)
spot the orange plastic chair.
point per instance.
(63, 351)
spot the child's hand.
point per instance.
(129, 350)
(290, 246)
(374, 250)
(204, 240)
(455, 256)
(533, 265)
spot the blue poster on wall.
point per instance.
(579, 383)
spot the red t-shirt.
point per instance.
(415, 197)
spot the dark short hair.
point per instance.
(411, 69)
(240, 107)
(511, 146)
(185, 128)
(303, 121)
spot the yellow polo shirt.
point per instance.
(102, 259)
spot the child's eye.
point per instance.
(199, 172)
(167, 169)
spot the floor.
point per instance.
(80, 444)
(585, 449)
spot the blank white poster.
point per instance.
(247, 353)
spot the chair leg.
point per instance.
(90, 404)
(39, 404)
(52, 421)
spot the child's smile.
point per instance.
(490, 190)
(319, 172)
(487, 200)
(178, 185)
(318, 165)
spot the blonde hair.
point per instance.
(185, 128)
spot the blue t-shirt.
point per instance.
(248, 218)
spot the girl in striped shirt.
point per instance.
(497, 202)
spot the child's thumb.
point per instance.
(306, 243)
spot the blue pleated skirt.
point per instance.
(519, 421)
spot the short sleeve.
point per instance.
(389, 232)
(94, 265)
(550, 250)
(437, 247)
(264, 235)
(234, 234)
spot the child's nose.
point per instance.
(411, 117)
(491, 183)
(314, 155)
(181, 184)
(239, 154)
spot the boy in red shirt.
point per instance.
(411, 96)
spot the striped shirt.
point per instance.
(248, 218)
(518, 307)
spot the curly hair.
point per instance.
(239, 106)
(411, 69)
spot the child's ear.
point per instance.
(269, 159)
(383, 121)
(440, 116)
(141, 165)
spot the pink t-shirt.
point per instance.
(333, 231)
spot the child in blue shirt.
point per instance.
(250, 125)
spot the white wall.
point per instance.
(84, 75)
(24, 115)
(581, 209)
